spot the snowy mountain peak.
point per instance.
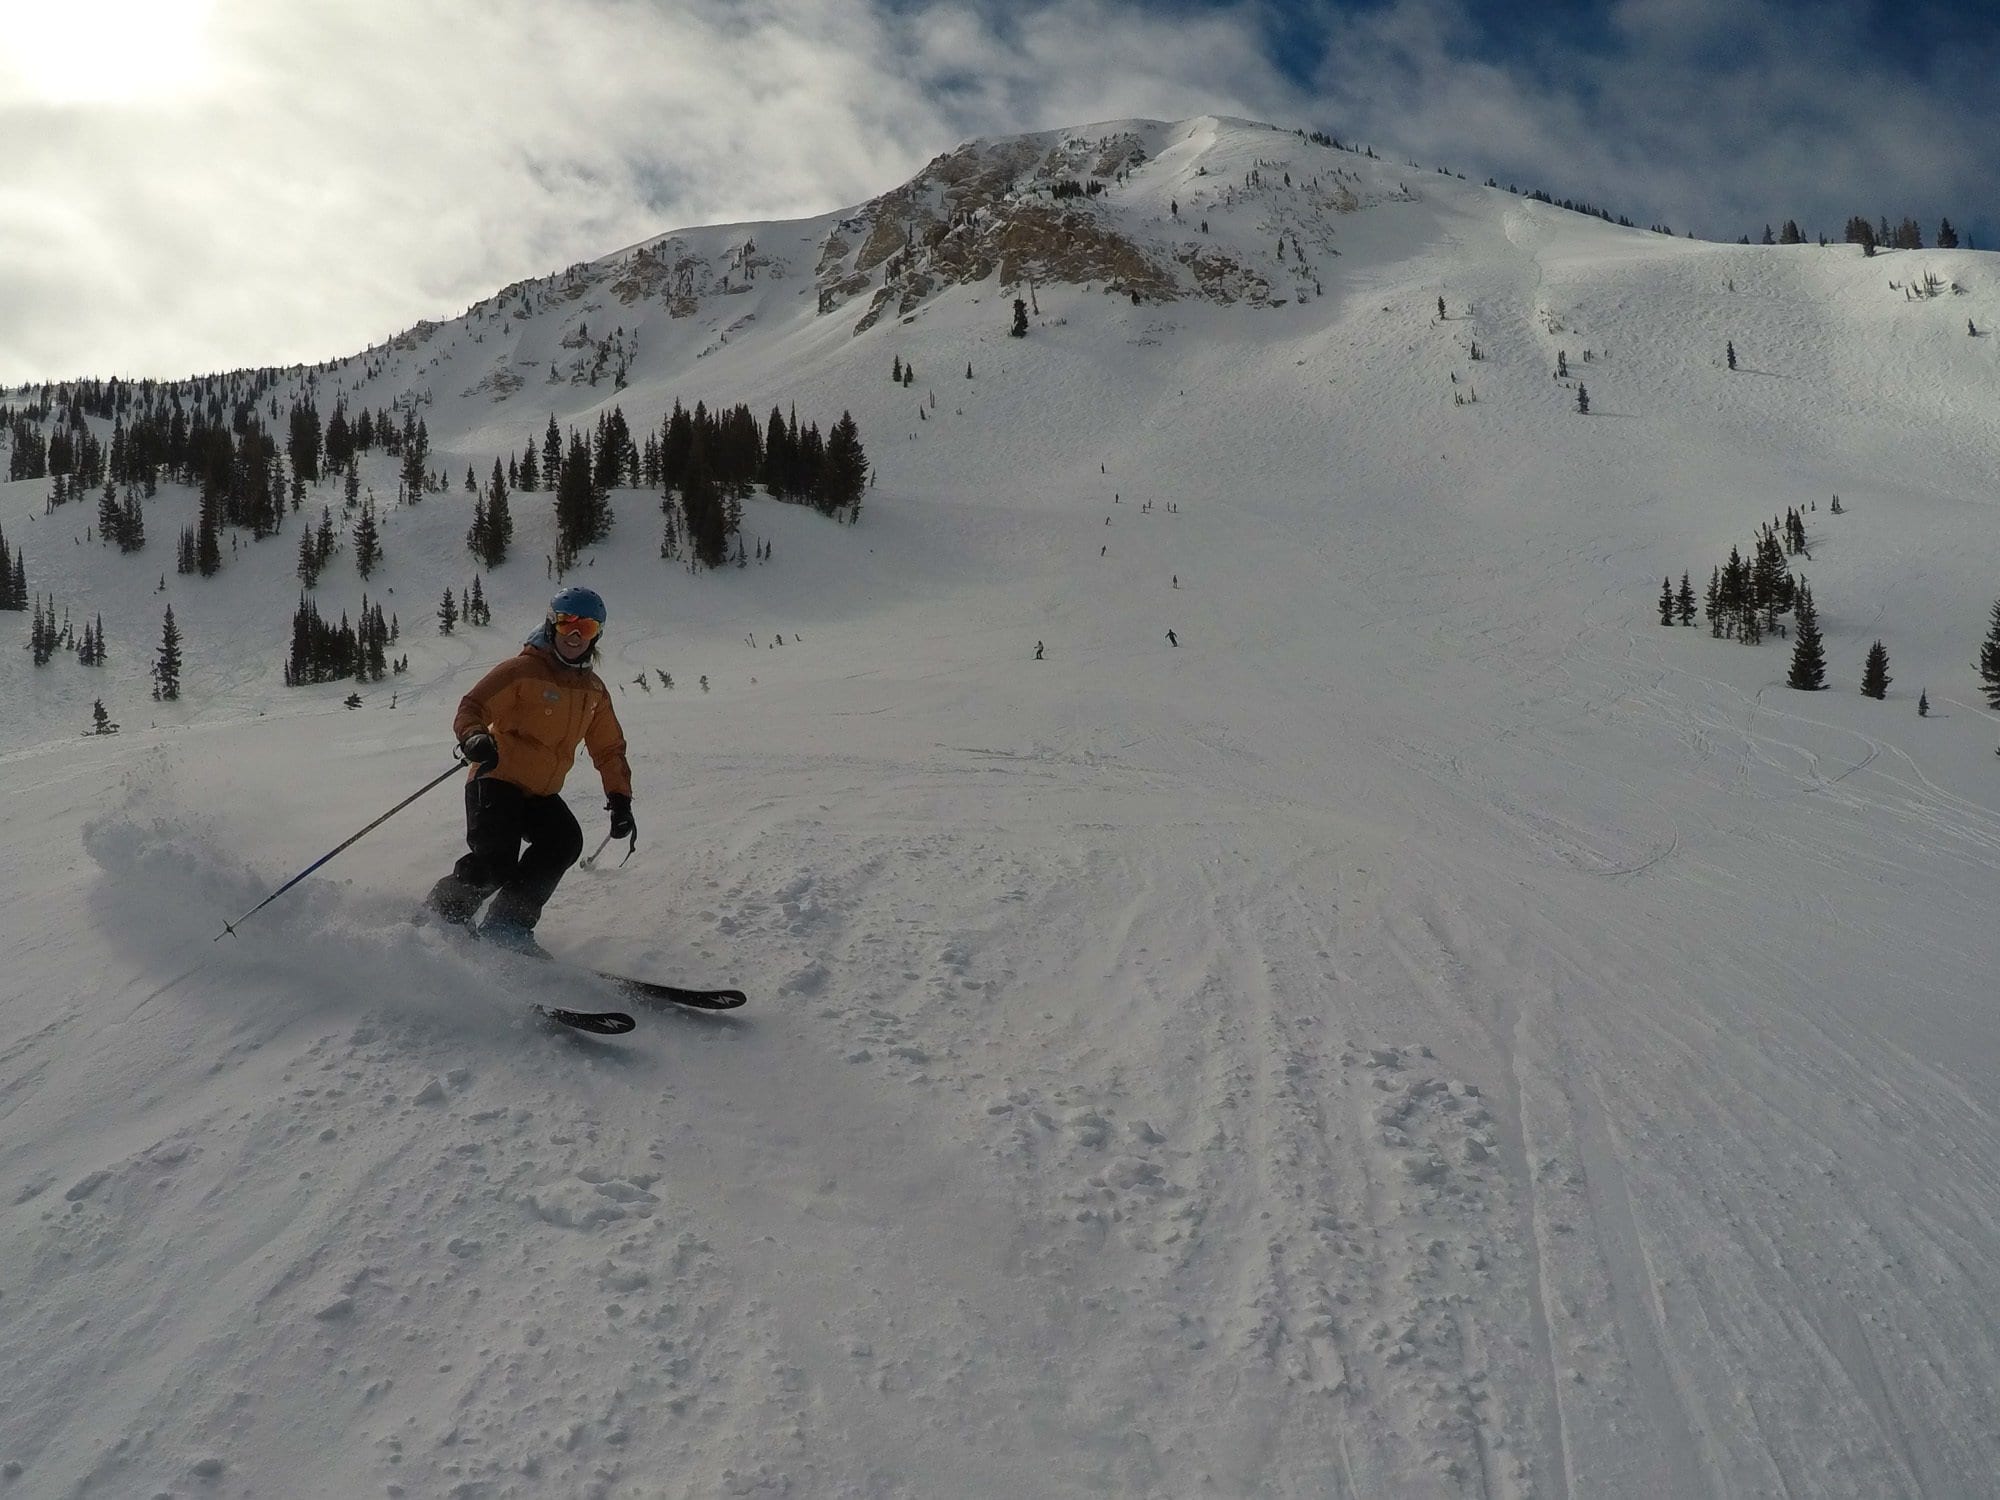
(1123, 207)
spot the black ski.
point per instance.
(602, 1022)
(650, 992)
(644, 991)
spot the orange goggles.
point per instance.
(581, 625)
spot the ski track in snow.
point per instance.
(1432, 1034)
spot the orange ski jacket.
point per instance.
(538, 710)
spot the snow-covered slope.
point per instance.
(1432, 1032)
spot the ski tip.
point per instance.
(601, 1023)
(648, 993)
(720, 1000)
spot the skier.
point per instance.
(519, 727)
(1038, 650)
(1172, 639)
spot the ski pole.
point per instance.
(229, 928)
(589, 861)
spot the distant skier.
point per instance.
(519, 727)
(1172, 639)
(1038, 650)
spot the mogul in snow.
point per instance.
(519, 727)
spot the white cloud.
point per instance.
(354, 165)
(293, 181)
(1715, 115)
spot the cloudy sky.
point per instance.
(190, 185)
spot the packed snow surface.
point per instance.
(1431, 1033)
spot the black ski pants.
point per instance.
(499, 816)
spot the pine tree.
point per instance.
(13, 579)
(109, 523)
(167, 662)
(1020, 328)
(1684, 601)
(208, 534)
(670, 536)
(499, 520)
(1923, 705)
(476, 537)
(131, 524)
(1729, 349)
(581, 516)
(1667, 601)
(1875, 677)
(778, 456)
(367, 541)
(377, 640)
(42, 634)
(1989, 660)
(1808, 672)
(707, 523)
(100, 719)
(844, 469)
(552, 453)
(1583, 399)
(447, 614)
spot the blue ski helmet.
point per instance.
(584, 602)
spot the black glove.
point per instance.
(620, 807)
(478, 748)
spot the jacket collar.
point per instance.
(554, 658)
